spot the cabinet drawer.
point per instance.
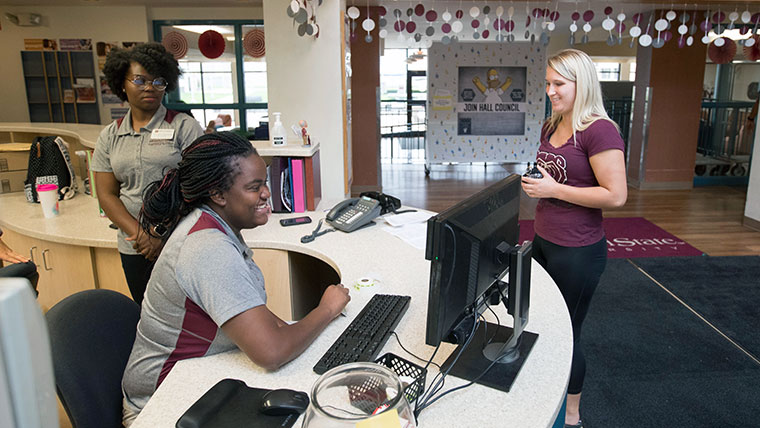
(12, 181)
(13, 161)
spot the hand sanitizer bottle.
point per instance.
(279, 136)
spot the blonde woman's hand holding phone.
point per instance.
(545, 187)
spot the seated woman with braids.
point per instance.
(206, 295)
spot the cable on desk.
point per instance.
(429, 400)
(315, 233)
(398, 339)
(438, 383)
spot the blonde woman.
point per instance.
(583, 166)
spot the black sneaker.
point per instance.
(578, 425)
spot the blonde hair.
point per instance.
(576, 66)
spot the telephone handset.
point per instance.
(353, 213)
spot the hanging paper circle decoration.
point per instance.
(211, 44)
(175, 43)
(722, 54)
(752, 52)
(253, 43)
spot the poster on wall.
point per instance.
(40, 45)
(485, 102)
(101, 50)
(118, 112)
(491, 101)
(75, 44)
(85, 90)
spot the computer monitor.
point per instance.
(473, 247)
(27, 388)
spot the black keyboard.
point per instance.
(363, 339)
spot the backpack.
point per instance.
(49, 163)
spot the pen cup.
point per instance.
(48, 196)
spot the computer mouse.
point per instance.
(280, 402)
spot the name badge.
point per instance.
(162, 134)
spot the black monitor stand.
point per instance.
(506, 347)
(478, 356)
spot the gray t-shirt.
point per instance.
(137, 159)
(204, 277)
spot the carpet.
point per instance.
(724, 290)
(651, 362)
(632, 237)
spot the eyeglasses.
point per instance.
(159, 83)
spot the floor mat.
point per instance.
(652, 362)
(632, 237)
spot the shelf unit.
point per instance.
(50, 78)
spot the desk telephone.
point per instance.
(354, 213)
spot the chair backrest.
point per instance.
(91, 337)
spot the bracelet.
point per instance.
(160, 230)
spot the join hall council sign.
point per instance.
(486, 102)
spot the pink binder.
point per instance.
(299, 191)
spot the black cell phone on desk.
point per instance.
(295, 220)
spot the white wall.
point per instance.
(76, 22)
(304, 82)
(744, 74)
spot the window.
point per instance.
(608, 71)
(231, 89)
(632, 72)
(403, 103)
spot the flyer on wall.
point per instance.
(491, 101)
(40, 45)
(75, 44)
(85, 89)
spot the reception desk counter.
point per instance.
(295, 274)
(397, 268)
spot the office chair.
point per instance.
(91, 337)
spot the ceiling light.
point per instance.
(731, 34)
(200, 29)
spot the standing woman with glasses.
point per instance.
(135, 150)
(581, 158)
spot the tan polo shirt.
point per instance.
(137, 158)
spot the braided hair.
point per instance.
(208, 165)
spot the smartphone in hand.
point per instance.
(295, 220)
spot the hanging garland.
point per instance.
(176, 44)
(253, 43)
(211, 44)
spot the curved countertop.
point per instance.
(398, 268)
(88, 136)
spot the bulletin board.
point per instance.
(485, 102)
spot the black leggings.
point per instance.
(137, 269)
(576, 270)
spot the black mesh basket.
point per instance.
(403, 367)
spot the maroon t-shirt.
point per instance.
(561, 222)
